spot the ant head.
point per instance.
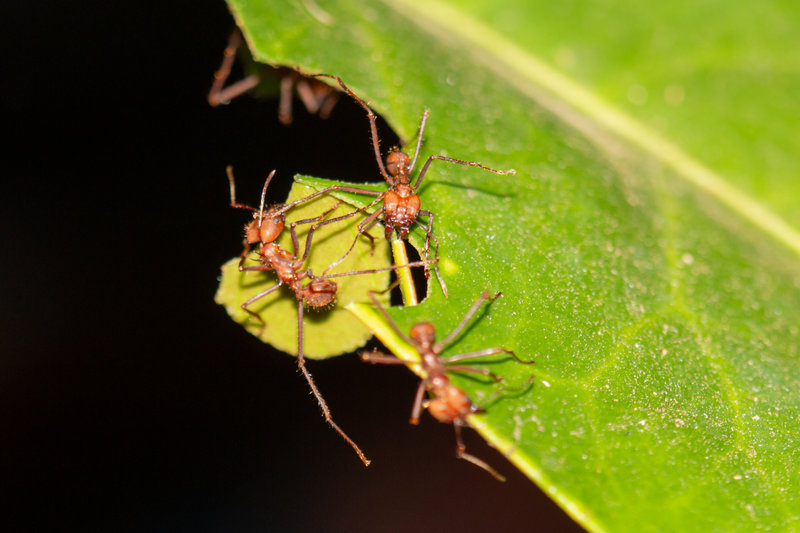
(319, 292)
(397, 163)
(423, 334)
(265, 227)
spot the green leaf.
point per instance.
(325, 333)
(659, 296)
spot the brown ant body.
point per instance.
(446, 403)
(319, 291)
(401, 202)
(317, 97)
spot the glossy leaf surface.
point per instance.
(660, 299)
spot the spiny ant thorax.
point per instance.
(401, 208)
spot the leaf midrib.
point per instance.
(550, 88)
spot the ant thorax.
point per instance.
(401, 208)
(280, 260)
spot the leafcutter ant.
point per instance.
(401, 202)
(316, 292)
(318, 97)
(446, 402)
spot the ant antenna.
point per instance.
(419, 138)
(263, 197)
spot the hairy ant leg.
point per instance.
(433, 158)
(219, 94)
(258, 296)
(485, 295)
(317, 97)
(326, 412)
(461, 453)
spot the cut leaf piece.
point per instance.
(328, 332)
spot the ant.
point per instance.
(446, 403)
(317, 97)
(319, 292)
(401, 201)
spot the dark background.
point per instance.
(129, 401)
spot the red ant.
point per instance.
(447, 403)
(317, 97)
(319, 292)
(401, 203)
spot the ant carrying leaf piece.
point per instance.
(329, 241)
(313, 291)
(446, 402)
(402, 206)
(317, 97)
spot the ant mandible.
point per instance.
(317, 97)
(319, 292)
(401, 202)
(447, 403)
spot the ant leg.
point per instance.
(481, 353)
(320, 192)
(254, 268)
(363, 228)
(428, 236)
(374, 270)
(416, 410)
(461, 453)
(301, 364)
(219, 94)
(379, 358)
(460, 162)
(472, 310)
(388, 318)
(316, 219)
(471, 370)
(285, 99)
(376, 143)
(258, 297)
(307, 96)
(503, 390)
(329, 102)
(243, 258)
(318, 225)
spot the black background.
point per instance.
(129, 400)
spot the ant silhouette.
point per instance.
(401, 201)
(318, 97)
(319, 292)
(447, 403)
